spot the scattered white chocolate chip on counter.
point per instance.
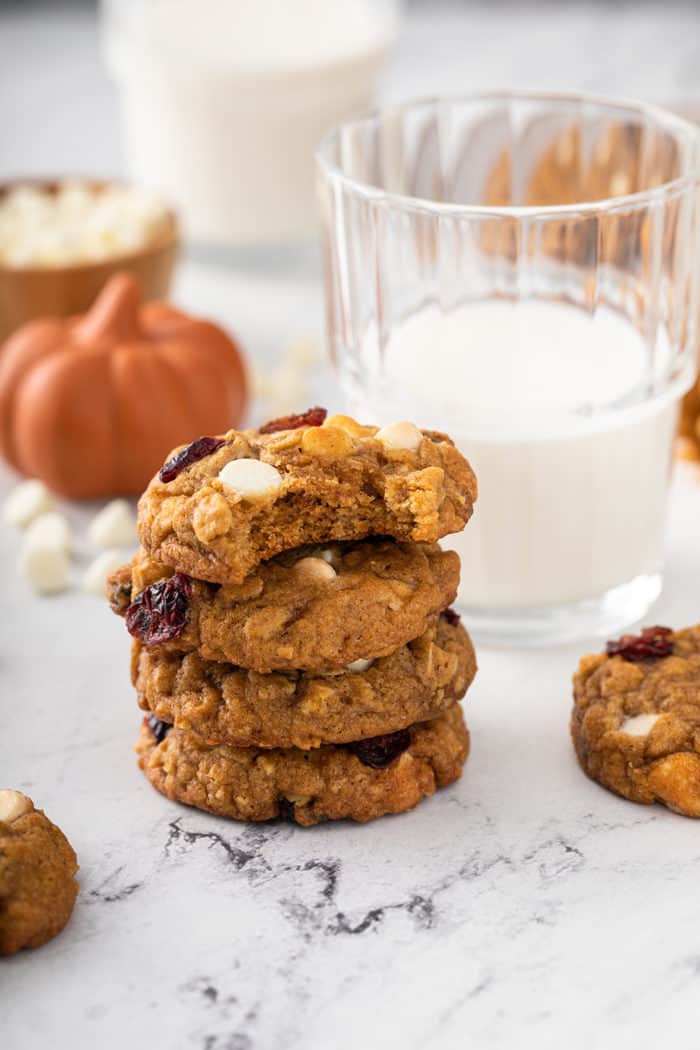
(403, 435)
(26, 502)
(43, 559)
(49, 530)
(114, 525)
(358, 666)
(13, 804)
(94, 579)
(250, 477)
(315, 568)
(639, 725)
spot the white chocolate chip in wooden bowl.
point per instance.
(404, 436)
(26, 502)
(251, 477)
(114, 525)
(358, 666)
(315, 568)
(13, 805)
(94, 579)
(639, 725)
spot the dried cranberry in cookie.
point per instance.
(160, 612)
(380, 751)
(313, 417)
(183, 459)
(652, 644)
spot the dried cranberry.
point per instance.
(159, 613)
(159, 729)
(452, 617)
(313, 417)
(380, 751)
(651, 644)
(285, 810)
(200, 448)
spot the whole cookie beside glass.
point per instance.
(636, 717)
(37, 875)
(221, 505)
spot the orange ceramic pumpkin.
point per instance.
(93, 404)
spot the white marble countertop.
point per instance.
(523, 907)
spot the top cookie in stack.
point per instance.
(289, 606)
(222, 505)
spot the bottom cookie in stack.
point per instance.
(357, 781)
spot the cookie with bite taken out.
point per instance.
(221, 505)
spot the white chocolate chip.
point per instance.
(95, 577)
(26, 502)
(13, 804)
(639, 725)
(114, 526)
(251, 477)
(400, 436)
(327, 556)
(315, 568)
(49, 530)
(358, 666)
(43, 560)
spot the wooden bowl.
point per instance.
(33, 291)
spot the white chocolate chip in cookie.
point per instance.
(315, 568)
(26, 502)
(358, 666)
(251, 477)
(114, 526)
(403, 435)
(13, 804)
(639, 725)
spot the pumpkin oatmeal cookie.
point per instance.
(37, 875)
(221, 703)
(636, 717)
(313, 608)
(222, 505)
(359, 781)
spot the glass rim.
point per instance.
(662, 117)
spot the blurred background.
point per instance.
(59, 109)
(211, 109)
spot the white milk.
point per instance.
(224, 102)
(573, 464)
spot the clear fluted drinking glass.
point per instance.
(521, 271)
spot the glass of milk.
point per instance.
(224, 101)
(521, 272)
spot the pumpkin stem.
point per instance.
(114, 313)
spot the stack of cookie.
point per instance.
(293, 642)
